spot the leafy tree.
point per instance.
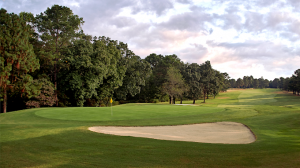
(207, 75)
(255, 83)
(174, 85)
(262, 82)
(294, 82)
(286, 82)
(17, 57)
(281, 83)
(46, 96)
(57, 27)
(239, 83)
(136, 73)
(192, 77)
(82, 75)
(219, 83)
(274, 83)
(119, 55)
(160, 65)
(232, 83)
(226, 82)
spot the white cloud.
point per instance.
(258, 38)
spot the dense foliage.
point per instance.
(48, 60)
(289, 84)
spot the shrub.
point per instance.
(32, 104)
(46, 96)
(115, 103)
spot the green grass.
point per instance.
(58, 137)
(125, 112)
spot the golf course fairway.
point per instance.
(59, 137)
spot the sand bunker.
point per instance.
(220, 132)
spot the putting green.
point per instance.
(125, 112)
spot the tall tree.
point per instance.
(246, 81)
(232, 83)
(17, 56)
(119, 55)
(57, 27)
(136, 72)
(255, 83)
(160, 65)
(226, 82)
(207, 76)
(239, 83)
(174, 85)
(192, 77)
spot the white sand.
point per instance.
(220, 132)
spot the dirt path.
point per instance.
(220, 132)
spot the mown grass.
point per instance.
(54, 137)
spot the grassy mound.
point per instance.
(125, 112)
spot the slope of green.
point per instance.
(125, 112)
(29, 140)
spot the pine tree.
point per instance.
(17, 57)
(57, 26)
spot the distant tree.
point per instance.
(192, 77)
(261, 82)
(286, 82)
(232, 83)
(135, 77)
(174, 85)
(246, 81)
(207, 76)
(216, 83)
(239, 83)
(255, 83)
(226, 82)
(266, 83)
(17, 57)
(297, 78)
(274, 83)
(294, 82)
(251, 81)
(160, 65)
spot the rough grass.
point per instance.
(40, 138)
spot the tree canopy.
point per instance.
(48, 60)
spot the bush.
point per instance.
(122, 101)
(153, 101)
(32, 104)
(114, 103)
(164, 98)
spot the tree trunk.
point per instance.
(207, 96)
(170, 100)
(55, 82)
(174, 99)
(4, 100)
(194, 101)
(181, 100)
(204, 96)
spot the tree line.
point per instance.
(289, 83)
(47, 60)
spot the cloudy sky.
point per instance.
(255, 37)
